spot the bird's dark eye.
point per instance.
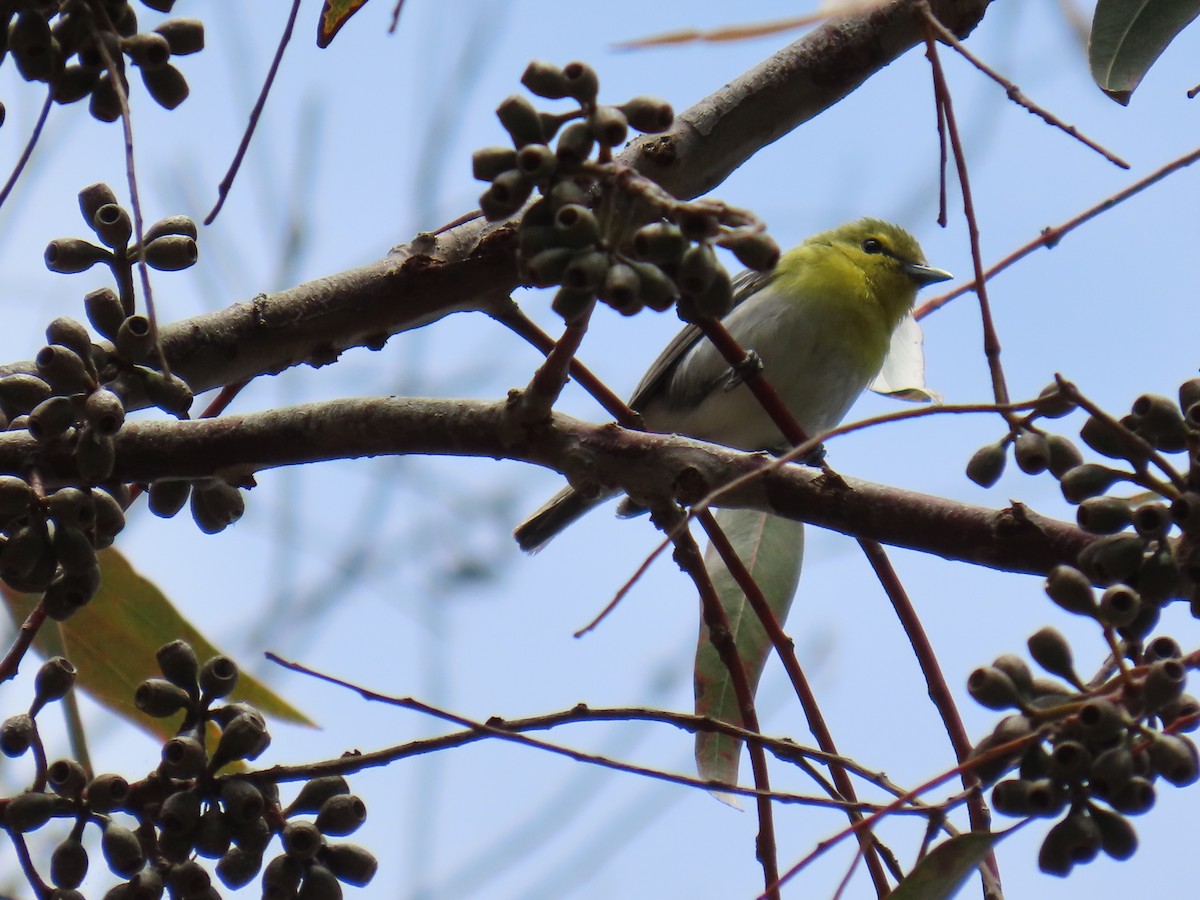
(872, 245)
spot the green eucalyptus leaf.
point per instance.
(1128, 36)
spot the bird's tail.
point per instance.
(560, 511)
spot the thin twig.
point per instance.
(940, 694)
(28, 151)
(255, 114)
(991, 341)
(1015, 95)
(1051, 235)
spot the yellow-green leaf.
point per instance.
(334, 14)
(112, 642)
(1128, 36)
(772, 549)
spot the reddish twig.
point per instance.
(1015, 95)
(991, 341)
(255, 115)
(1050, 236)
(26, 153)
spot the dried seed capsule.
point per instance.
(1053, 402)
(575, 226)
(94, 196)
(69, 592)
(1182, 714)
(581, 82)
(148, 49)
(992, 688)
(160, 698)
(104, 311)
(104, 411)
(586, 271)
(31, 810)
(72, 507)
(184, 36)
(105, 103)
(167, 85)
(1016, 669)
(169, 393)
(1114, 557)
(1031, 453)
(489, 162)
(180, 812)
(218, 677)
(1143, 623)
(1185, 511)
(281, 877)
(167, 497)
(242, 800)
(1113, 440)
(1069, 761)
(545, 80)
(575, 145)
(1102, 720)
(546, 268)
(33, 46)
(70, 333)
(1175, 758)
(754, 251)
(213, 837)
(351, 863)
(66, 778)
(1064, 455)
(1104, 514)
(122, 850)
(1134, 797)
(15, 497)
(95, 454)
(51, 418)
(216, 505)
(1160, 421)
(135, 339)
(1076, 839)
(25, 550)
(1162, 647)
(63, 368)
(987, 464)
(243, 738)
(301, 839)
(16, 735)
(1022, 797)
(341, 814)
(572, 304)
(521, 121)
(713, 302)
(71, 255)
(1119, 606)
(21, 392)
(648, 114)
(314, 793)
(1152, 520)
(609, 126)
(177, 661)
(1088, 480)
(656, 289)
(105, 793)
(319, 884)
(1163, 684)
(172, 252)
(1070, 589)
(697, 269)
(1051, 651)
(113, 226)
(621, 289)
(184, 756)
(506, 195)
(659, 242)
(184, 225)
(1117, 837)
(54, 678)
(237, 867)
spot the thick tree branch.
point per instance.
(471, 266)
(1014, 539)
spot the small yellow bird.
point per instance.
(821, 323)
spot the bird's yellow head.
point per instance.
(884, 256)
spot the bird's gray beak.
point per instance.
(924, 275)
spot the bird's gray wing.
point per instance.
(658, 376)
